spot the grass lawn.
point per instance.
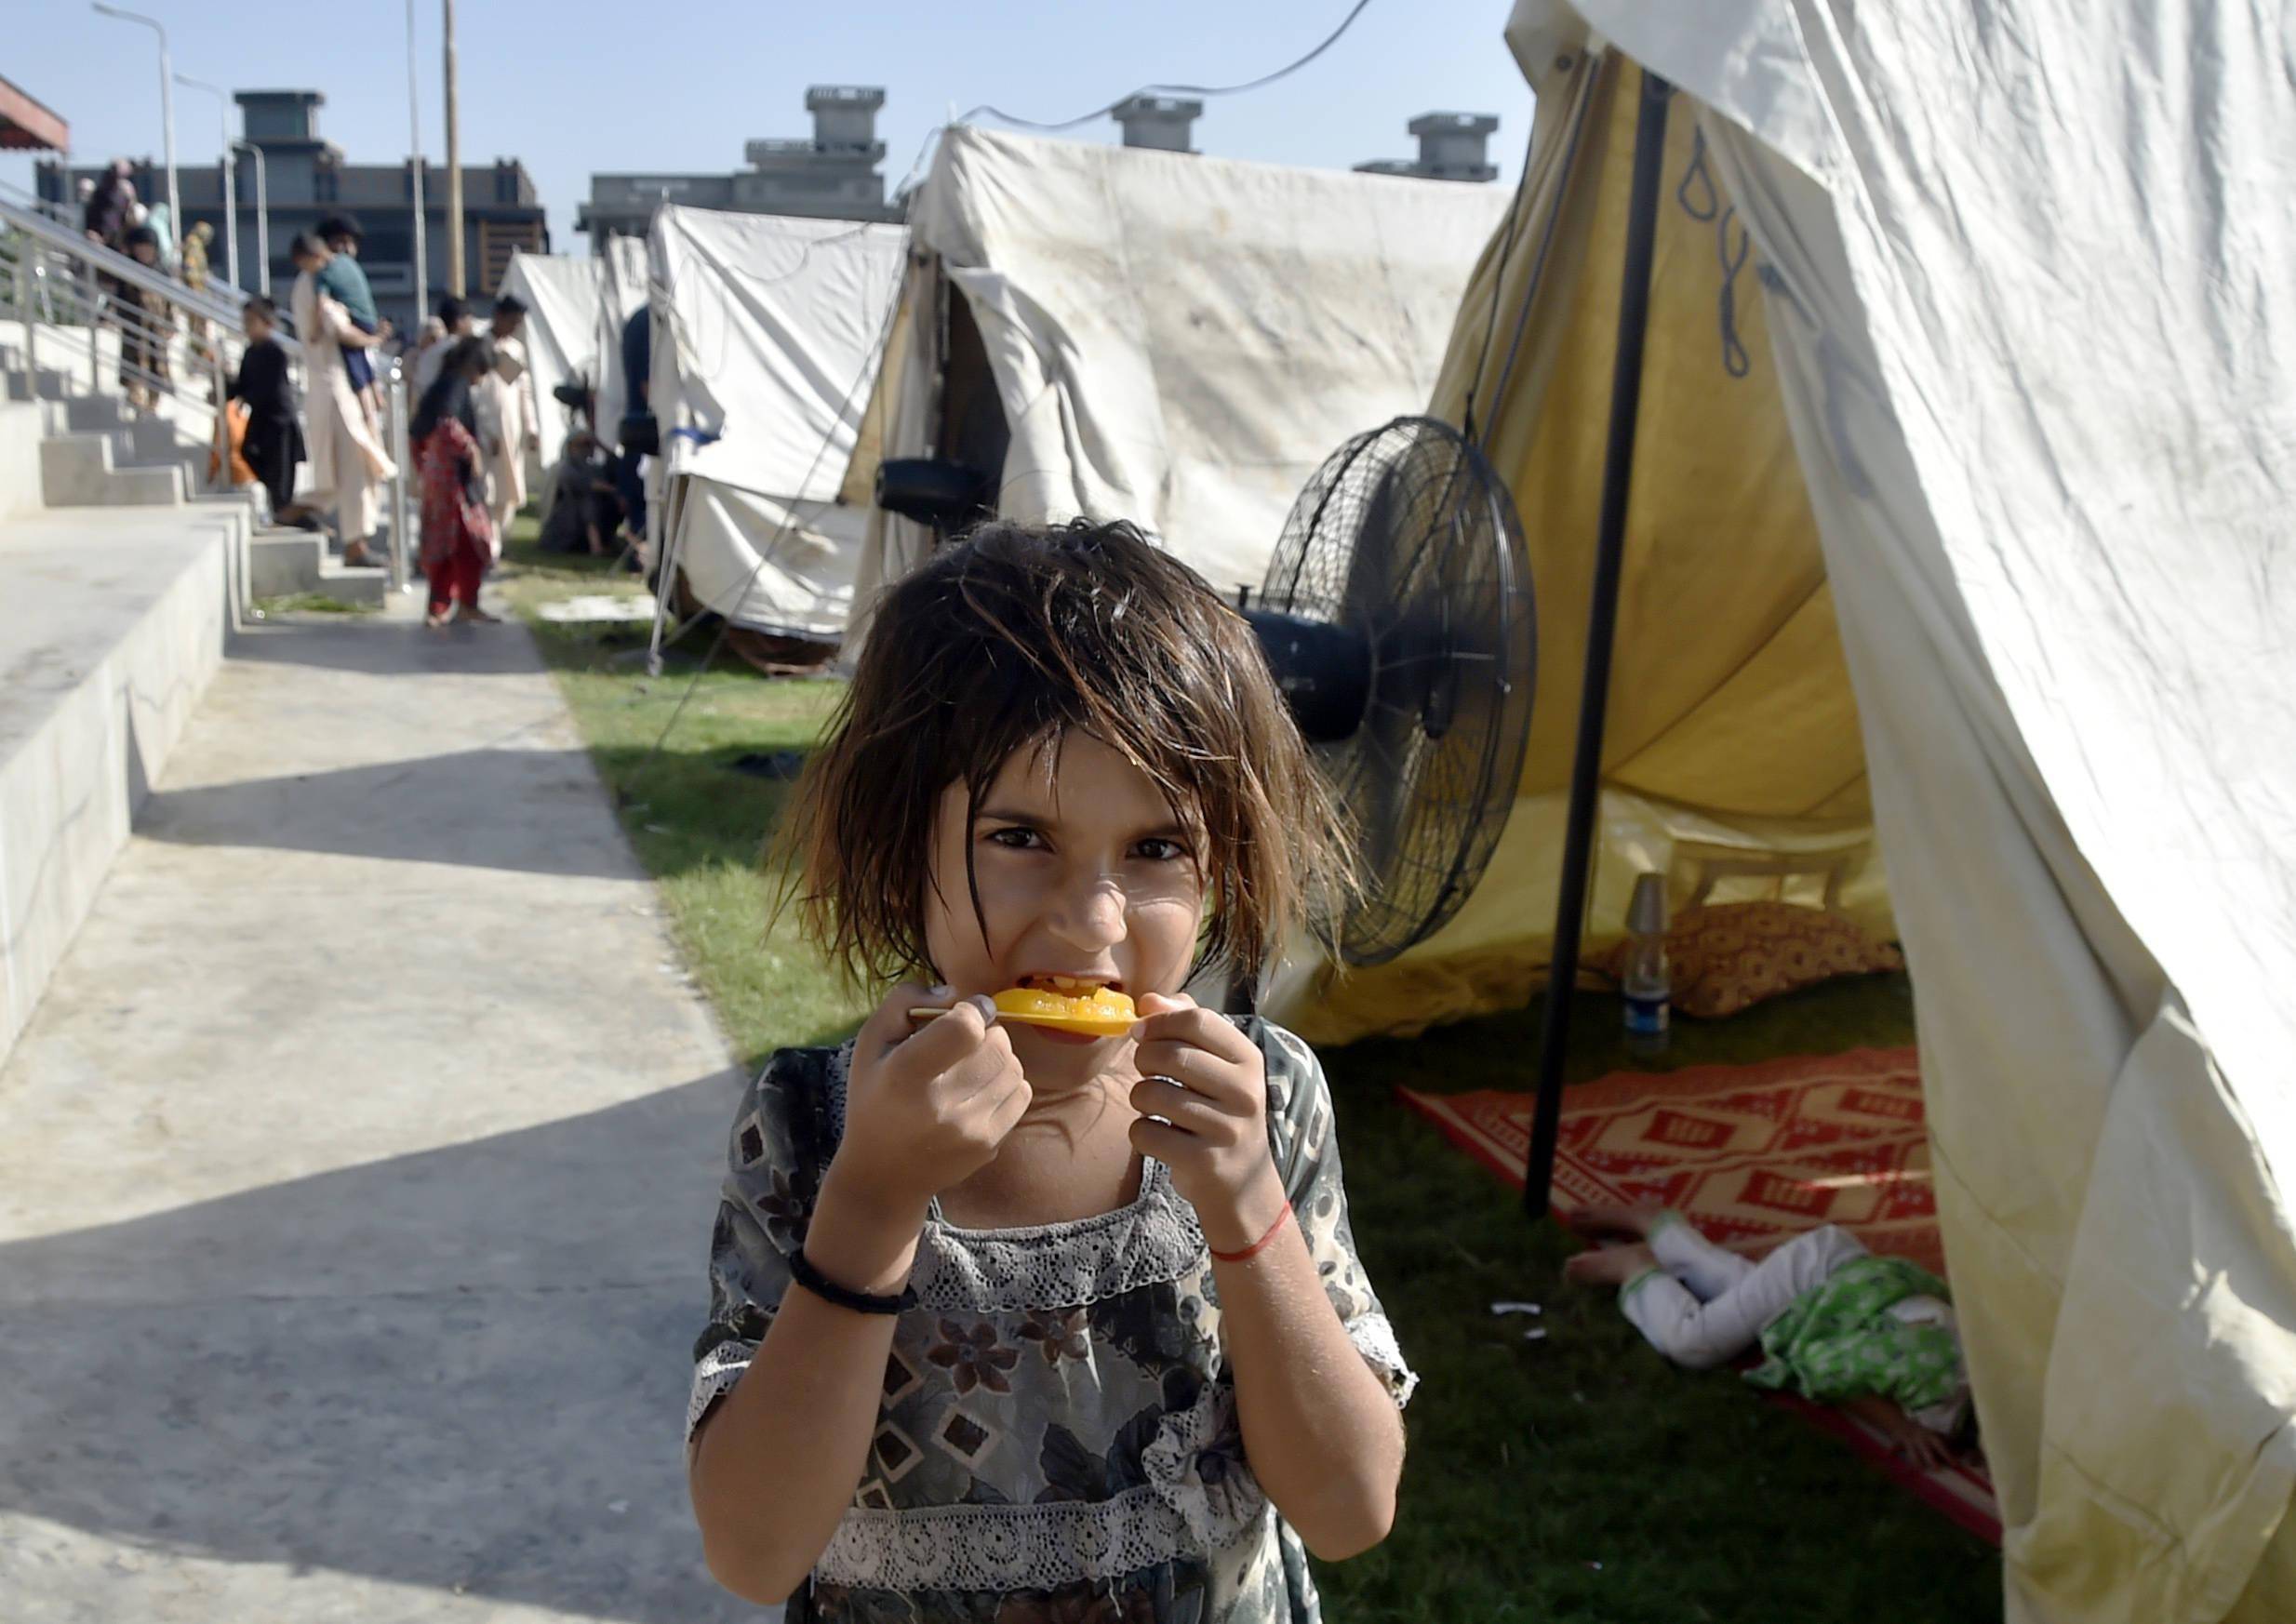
(310, 603)
(1577, 1479)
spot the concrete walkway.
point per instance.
(356, 1172)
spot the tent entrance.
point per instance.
(972, 432)
(1731, 760)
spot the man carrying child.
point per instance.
(343, 279)
(348, 463)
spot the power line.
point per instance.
(1292, 67)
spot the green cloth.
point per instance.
(1839, 1340)
(342, 281)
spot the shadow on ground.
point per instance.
(462, 1369)
(367, 647)
(466, 807)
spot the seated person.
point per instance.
(580, 508)
(1837, 1324)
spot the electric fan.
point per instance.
(1397, 617)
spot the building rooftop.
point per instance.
(27, 125)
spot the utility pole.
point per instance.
(454, 172)
(414, 171)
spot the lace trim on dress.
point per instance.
(714, 1378)
(1152, 1242)
(1199, 1500)
(1008, 1548)
(1374, 1337)
(1195, 1463)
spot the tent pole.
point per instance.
(1602, 623)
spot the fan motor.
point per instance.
(1324, 671)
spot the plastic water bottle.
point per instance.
(1645, 979)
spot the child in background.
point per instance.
(1017, 1324)
(274, 446)
(1837, 1324)
(343, 279)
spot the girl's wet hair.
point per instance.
(1004, 643)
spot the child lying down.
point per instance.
(1837, 1324)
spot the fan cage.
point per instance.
(1407, 536)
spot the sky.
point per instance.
(573, 87)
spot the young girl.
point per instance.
(458, 531)
(1012, 1325)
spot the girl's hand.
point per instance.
(926, 1106)
(1206, 1079)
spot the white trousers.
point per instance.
(1704, 1306)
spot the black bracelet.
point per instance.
(829, 1292)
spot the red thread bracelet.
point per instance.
(1257, 1246)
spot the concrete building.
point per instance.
(1451, 148)
(307, 180)
(1159, 122)
(833, 176)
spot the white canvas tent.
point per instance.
(1170, 338)
(561, 293)
(2023, 428)
(767, 339)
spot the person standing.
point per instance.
(454, 319)
(348, 463)
(638, 433)
(195, 275)
(273, 443)
(195, 270)
(343, 279)
(146, 326)
(508, 422)
(415, 358)
(161, 219)
(457, 541)
(104, 217)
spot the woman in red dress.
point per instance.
(458, 531)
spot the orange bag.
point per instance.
(231, 427)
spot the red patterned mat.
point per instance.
(1752, 1156)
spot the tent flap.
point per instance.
(561, 293)
(2009, 398)
(767, 333)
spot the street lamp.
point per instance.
(231, 191)
(262, 218)
(166, 108)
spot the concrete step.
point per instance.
(282, 563)
(46, 384)
(368, 588)
(78, 471)
(112, 622)
(91, 414)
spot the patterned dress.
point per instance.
(1057, 1441)
(455, 522)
